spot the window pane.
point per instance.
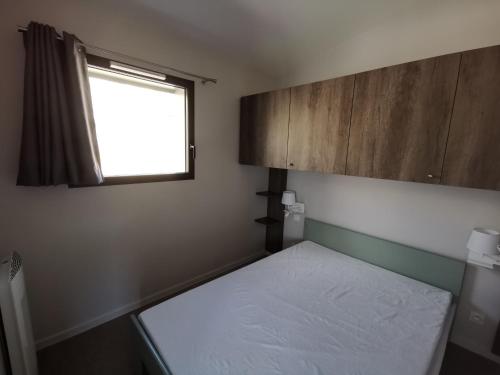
(140, 124)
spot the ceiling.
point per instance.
(275, 36)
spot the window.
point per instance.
(144, 123)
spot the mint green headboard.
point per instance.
(437, 270)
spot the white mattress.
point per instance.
(304, 310)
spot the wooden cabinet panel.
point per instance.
(473, 151)
(264, 128)
(400, 120)
(319, 125)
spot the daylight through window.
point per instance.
(141, 124)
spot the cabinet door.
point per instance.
(264, 128)
(319, 125)
(400, 120)
(473, 150)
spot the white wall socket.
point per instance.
(476, 317)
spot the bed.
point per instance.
(340, 302)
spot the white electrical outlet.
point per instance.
(476, 317)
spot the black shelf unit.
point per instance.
(274, 219)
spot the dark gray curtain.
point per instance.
(59, 144)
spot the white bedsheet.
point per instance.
(305, 310)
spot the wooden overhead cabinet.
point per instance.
(473, 151)
(264, 129)
(434, 121)
(319, 125)
(400, 120)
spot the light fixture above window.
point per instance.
(135, 70)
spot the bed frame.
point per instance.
(151, 362)
(437, 270)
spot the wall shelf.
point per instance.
(267, 220)
(268, 194)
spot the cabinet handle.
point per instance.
(291, 164)
(430, 175)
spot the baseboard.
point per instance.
(110, 315)
(474, 348)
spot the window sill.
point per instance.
(125, 180)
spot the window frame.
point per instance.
(188, 85)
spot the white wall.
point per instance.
(91, 251)
(430, 217)
(414, 32)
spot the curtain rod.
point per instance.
(203, 79)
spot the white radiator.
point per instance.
(18, 354)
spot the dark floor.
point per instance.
(108, 350)
(458, 361)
